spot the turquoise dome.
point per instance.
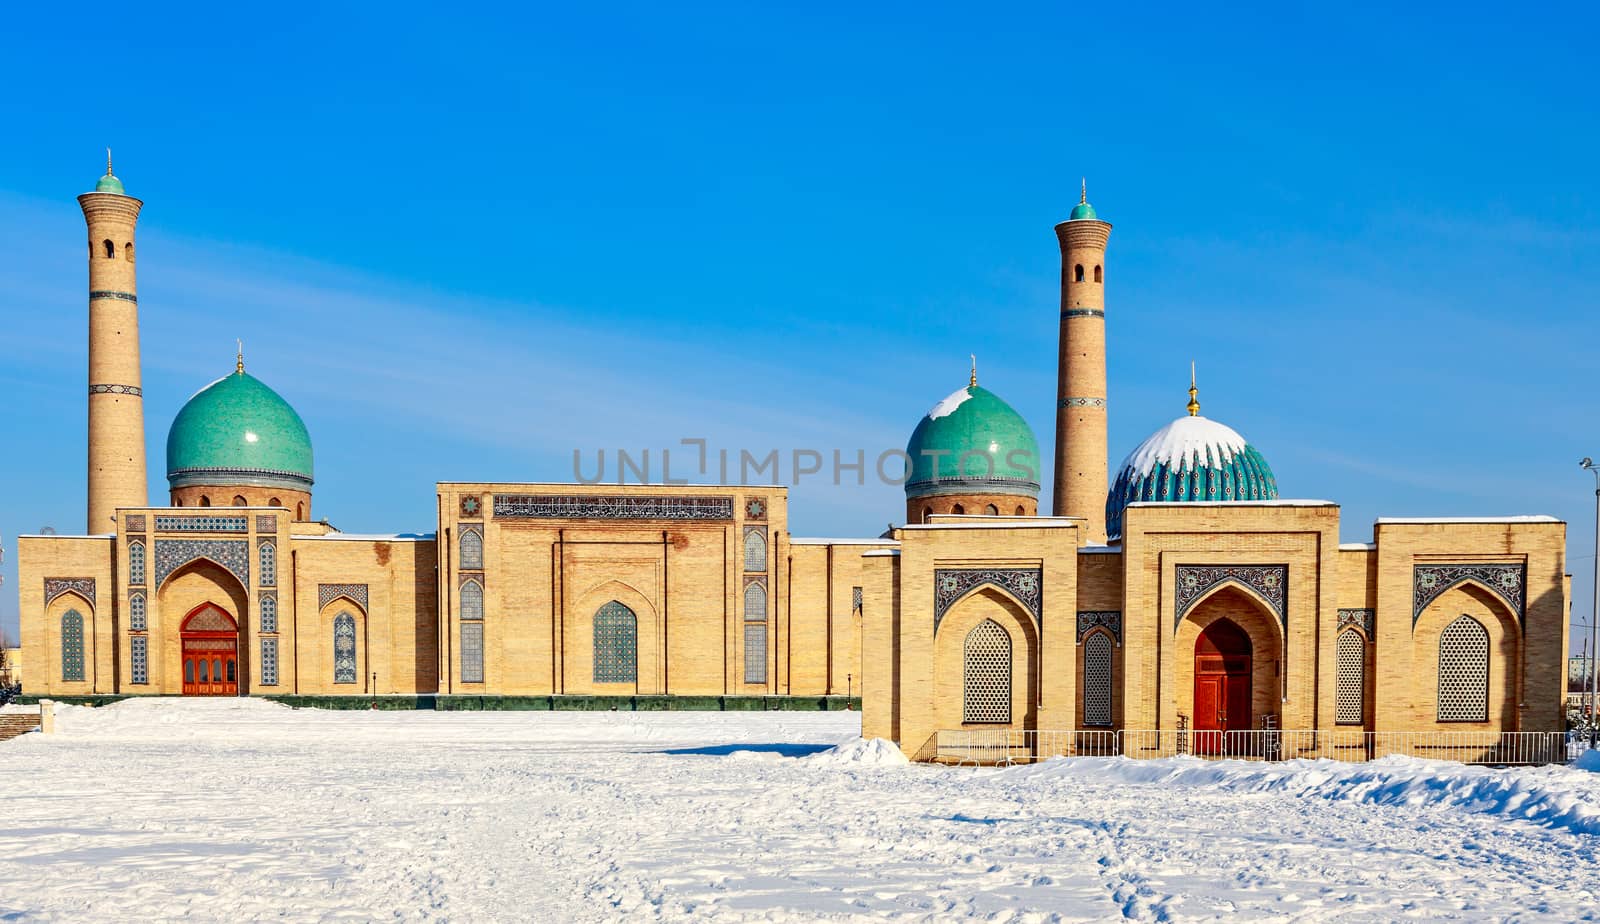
(238, 431)
(109, 184)
(1191, 459)
(973, 443)
(1083, 211)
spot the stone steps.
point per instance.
(13, 724)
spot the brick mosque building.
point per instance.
(1184, 593)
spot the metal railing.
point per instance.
(1000, 746)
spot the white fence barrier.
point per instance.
(1010, 746)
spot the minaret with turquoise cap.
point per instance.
(116, 394)
(1081, 472)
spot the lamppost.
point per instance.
(1594, 617)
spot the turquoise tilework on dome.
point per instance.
(1190, 459)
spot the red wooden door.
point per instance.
(1237, 701)
(210, 640)
(1210, 703)
(1221, 685)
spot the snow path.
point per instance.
(230, 810)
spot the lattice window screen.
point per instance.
(1097, 679)
(269, 662)
(616, 644)
(269, 613)
(472, 600)
(986, 674)
(472, 652)
(1464, 671)
(1349, 697)
(755, 653)
(755, 603)
(72, 645)
(269, 565)
(344, 648)
(136, 563)
(471, 549)
(136, 613)
(755, 550)
(140, 651)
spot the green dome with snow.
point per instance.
(972, 442)
(238, 431)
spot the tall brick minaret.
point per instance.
(1081, 452)
(116, 399)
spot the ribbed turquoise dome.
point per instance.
(973, 442)
(238, 431)
(1191, 459)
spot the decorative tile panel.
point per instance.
(136, 613)
(755, 653)
(755, 508)
(1270, 581)
(755, 548)
(471, 548)
(269, 662)
(344, 648)
(135, 522)
(1363, 619)
(616, 644)
(951, 584)
(855, 599)
(267, 552)
(269, 613)
(72, 646)
(611, 507)
(1089, 620)
(472, 652)
(266, 523)
(470, 506)
(130, 390)
(1081, 402)
(231, 554)
(755, 601)
(108, 293)
(136, 563)
(1506, 581)
(327, 593)
(55, 587)
(139, 656)
(1084, 313)
(202, 524)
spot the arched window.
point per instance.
(269, 613)
(139, 658)
(205, 501)
(1097, 679)
(992, 510)
(986, 674)
(927, 514)
(471, 549)
(958, 509)
(269, 565)
(136, 617)
(72, 645)
(755, 603)
(1021, 511)
(1097, 275)
(127, 251)
(136, 564)
(111, 250)
(1464, 671)
(616, 644)
(471, 600)
(344, 648)
(1350, 679)
(274, 502)
(239, 501)
(755, 550)
(177, 502)
(1077, 273)
(300, 510)
(269, 662)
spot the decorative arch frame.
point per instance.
(578, 644)
(1506, 580)
(992, 604)
(231, 555)
(1024, 586)
(1268, 584)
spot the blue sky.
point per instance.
(464, 244)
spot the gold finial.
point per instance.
(1083, 195)
(973, 382)
(108, 161)
(239, 367)
(1194, 393)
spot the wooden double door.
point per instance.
(1222, 685)
(210, 652)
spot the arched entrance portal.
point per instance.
(210, 652)
(1222, 691)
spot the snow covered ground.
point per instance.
(229, 809)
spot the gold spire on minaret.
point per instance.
(1083, 194)
(973, 382)
(108, 162)
(1194, 393)
(239, 366)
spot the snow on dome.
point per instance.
(951, 401)
(1183, 443)
(1191, 459)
